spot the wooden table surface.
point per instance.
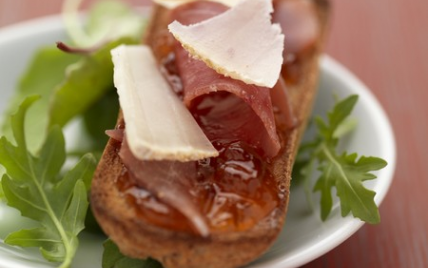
(385, 43)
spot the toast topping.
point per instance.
(234, 191)
(252, 54)
(158, 125)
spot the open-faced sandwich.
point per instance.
(197, 172)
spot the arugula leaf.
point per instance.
(346, 172)
(107, 21)
(113, 258)
(86, 82)
(32, 185)
(44, 73)
(2, 197)
(101, 116)
(114, 20)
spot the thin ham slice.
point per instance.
(299, 23)
(250, 117)
(169, 181)
(116, 134)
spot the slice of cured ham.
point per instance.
(247, 117)
(299, 24)
(251, 118)
(250, 51)
(169, 181)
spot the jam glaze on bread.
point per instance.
(140, 238)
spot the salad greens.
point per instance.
(2, 197)
(37, 183)
(107, 21)
(343, 171)
(34, 178)
(91, 77)
(44, 73)
(34, 186)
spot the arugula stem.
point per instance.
(339, 167)
(332, 159)
(67, 262)
(68, 249)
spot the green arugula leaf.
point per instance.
(101, 116)
(346, 172)
(113, 258)
(33, 186)
(44, 73)
(87, 81)
(114, 20)
(2, 197)
(106, 21)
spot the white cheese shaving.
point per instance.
(241, 43)
(175, 3)
(158, 125)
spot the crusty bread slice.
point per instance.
(140, 239)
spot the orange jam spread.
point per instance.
(234, 191)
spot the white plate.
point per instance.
(305, 236)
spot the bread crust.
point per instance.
(140, 239)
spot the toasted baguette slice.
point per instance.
(140, 239)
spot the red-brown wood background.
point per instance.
(385, 43)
